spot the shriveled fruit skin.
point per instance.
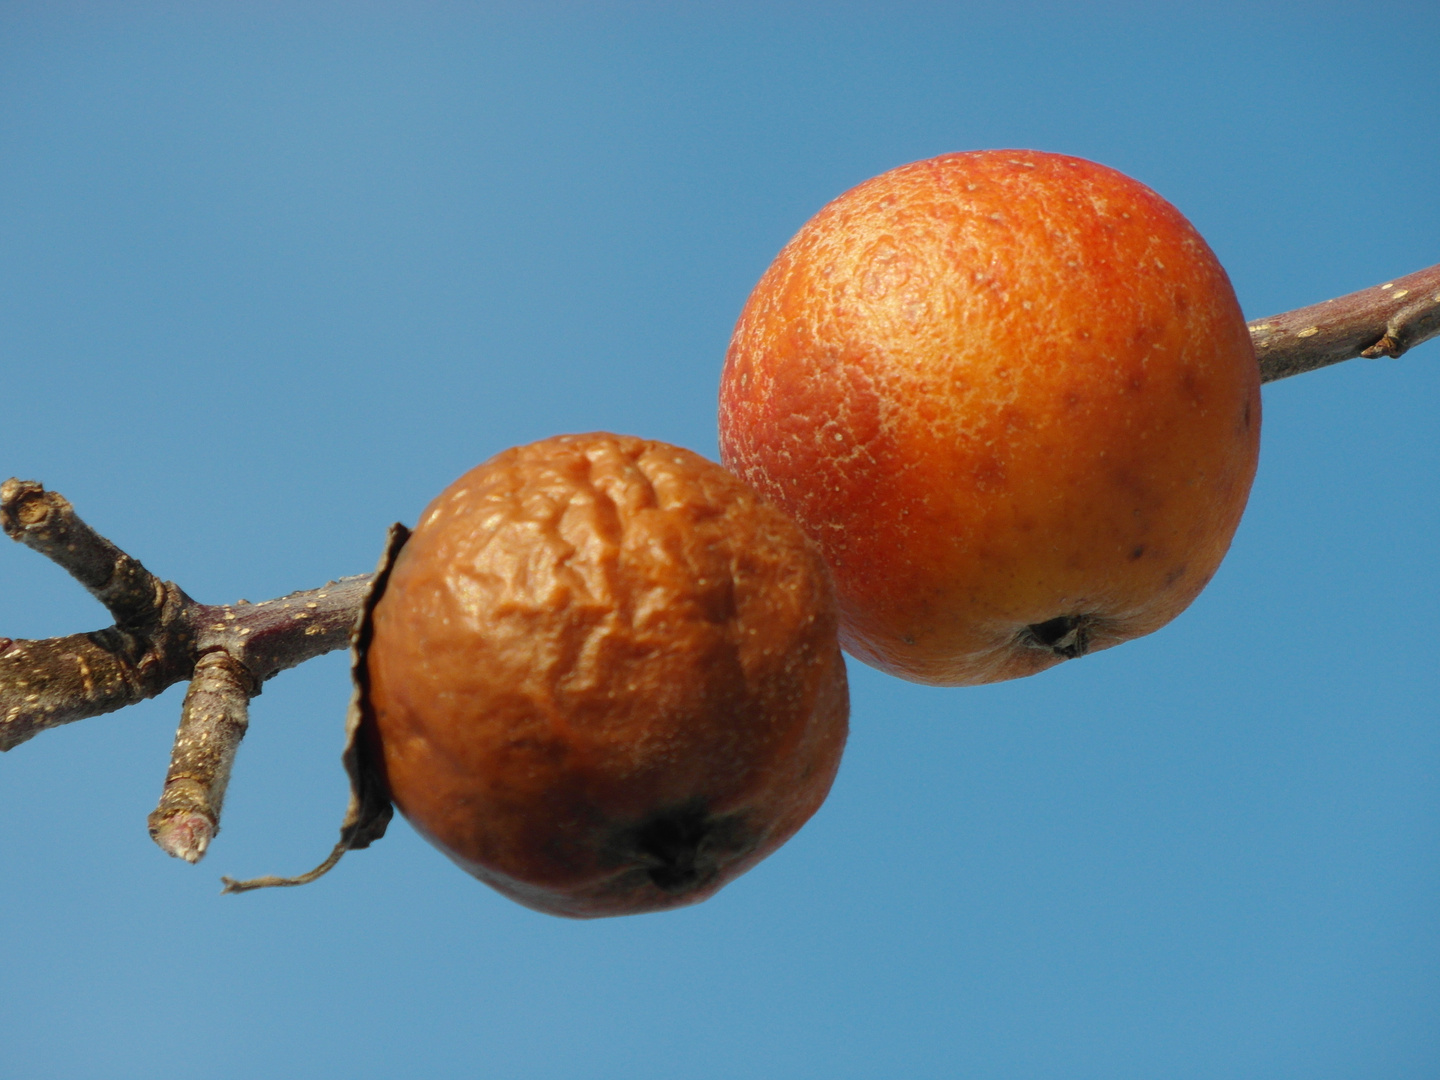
(604, 676)
(1012, 397)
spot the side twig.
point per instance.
(212, 723)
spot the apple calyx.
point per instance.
(685, 847)
(1067, 636)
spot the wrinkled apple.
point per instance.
(603, 676)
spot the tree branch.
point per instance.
(1384, 320)
(159, 632)
(161, 636)
(44, 684)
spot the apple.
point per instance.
(1012, 398)
(603, 676)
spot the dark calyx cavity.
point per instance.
(1067, 636)
(684, 847)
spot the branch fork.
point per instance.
(160, 637)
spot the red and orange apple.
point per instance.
(1012, 397)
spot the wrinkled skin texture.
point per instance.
(1012, 397)
(604, 676)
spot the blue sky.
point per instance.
(271, 275)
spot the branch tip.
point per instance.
(24, 505)
(185, 834)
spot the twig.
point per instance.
(45, 522)
(275, 635)
(44, 684)
(1385, 320)
(47, 683)
(212, 723)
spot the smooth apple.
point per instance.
(1012, 398)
